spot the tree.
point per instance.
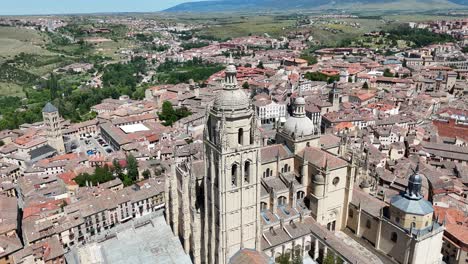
(311, 59)
(283, 259)
(260, 65)
(387, 73)
(365, 86)
(2, 143)
(297, 259)
(117, 167)
(101, 175)
(132, 168)
(245, 85)
(170, 116)
(329, 258)
(334, 78)
(146, 174)
(127, 181)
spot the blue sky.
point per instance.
(21, 7)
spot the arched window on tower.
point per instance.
(281, 201)
(300, 195)
(267, 172)
(234, 175)
(247, 171)
(240, 136)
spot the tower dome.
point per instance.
(299, 124)
(231, 97)
(414, 185)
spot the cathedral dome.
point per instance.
(232, 99)
(299, 126)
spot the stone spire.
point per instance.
(230, 79)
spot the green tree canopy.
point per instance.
(388, 73)
(169, 115)
(132, 168)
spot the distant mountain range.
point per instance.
(276, 5)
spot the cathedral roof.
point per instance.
(367, 203)
(270, 153)
(411, 201)
(417, 207)
(320, 158)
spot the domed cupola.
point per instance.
(409, 209)
(231, 97)
(299, 125)
(414, 185)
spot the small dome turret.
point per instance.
(231, 97)
(414, 185)
(299, 124)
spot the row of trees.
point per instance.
(173, 72)
(124, 74)
(127, 175)
(194, 45)
(330, 258)
(318, 76)
(420, 37)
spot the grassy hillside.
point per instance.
(14, 41)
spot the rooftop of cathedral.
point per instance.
(124, 245)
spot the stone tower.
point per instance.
(232, 187)
(439, 80)
(51, 119)
(334, 97)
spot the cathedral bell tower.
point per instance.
(51, 117)
(232, 187)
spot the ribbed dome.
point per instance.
(233, 99)
(300, 101)
(300, 126)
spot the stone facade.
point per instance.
(286, 198)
